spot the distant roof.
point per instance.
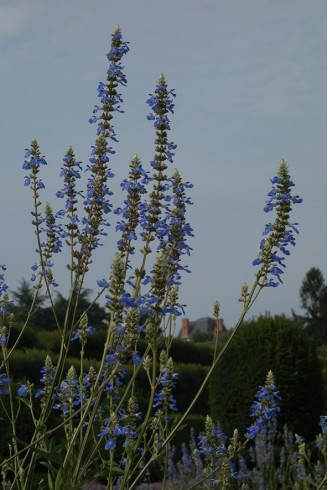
(204, 325)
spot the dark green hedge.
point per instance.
(26, 364)
(190, 378)
(183, 352)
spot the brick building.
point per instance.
(206, 325)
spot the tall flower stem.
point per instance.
(152, 380)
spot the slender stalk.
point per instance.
(127, 473)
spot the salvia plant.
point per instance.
(87, 425)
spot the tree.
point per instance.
(313, 295)
(23, 299)
(96, 313)
(43, 317)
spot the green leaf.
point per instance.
(107, 468)
(53, 457)
(50, 483)
(41, 428)
(59, 483)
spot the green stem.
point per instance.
(127, 473)
(322, 483)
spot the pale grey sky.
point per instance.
(250, 78)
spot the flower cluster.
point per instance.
(164, 399)
(323, 424)
(113, 428)
(107, 92)
(83, 331)
(280, 234)
(96, 200)
(70, 173)
(174, 244)
(213, 441)
(44, 225)
(3, 285)
(265, 408)
(48, 373)
(33, 161)
(68, 394)
(52, 245)
(161, 105)
(3, 291)
(135, 187)
(3, 334)
(321, 440)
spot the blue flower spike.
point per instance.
(96, 201)
(280, 234)
(265, 408)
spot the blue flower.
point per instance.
(167, 380)
(68, 393)
(136, 359)
(110, 444)
(323, 424)
(32, 162)
(4, 381)
(265, 408)
(111, 358)
(3, 285)
(321, 439)
(77, 334)
(102, 283)
(22, 390)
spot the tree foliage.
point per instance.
(313, 295)
(23, 299)
(42, 313)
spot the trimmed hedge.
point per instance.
(190, 378)
(182, 352)
(26, 365)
